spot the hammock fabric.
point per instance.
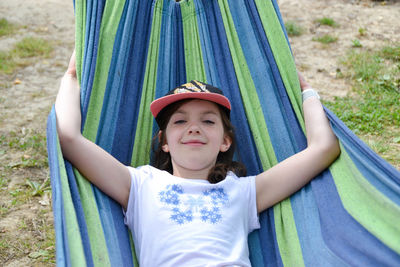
(132, 51)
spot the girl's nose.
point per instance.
(193, 128)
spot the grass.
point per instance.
(325, 39)
(372, 110)
(31, 145)
(34, 235)
(293, 29)
(362, 31)
(23, 53)
(7, 64)
(327, 21)
(38, 243)
(356, 43)
(32, 47)
(6, 28)
(38, 189)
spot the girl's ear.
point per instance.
(226, 144)
(164, 145)
(165, 148)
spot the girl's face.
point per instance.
(194, 137)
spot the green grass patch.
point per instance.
(23, 52)
(327, 21)
(362, 31)
(6, 28)
(325, 39)
(38, 189)
(391, 53)
(356, 43)
(7, 63)
(31, 145)
(293, 29)
(32, 47)
(374, 105)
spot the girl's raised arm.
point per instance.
(98, 166)
(290, 175)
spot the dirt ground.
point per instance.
(24, 105)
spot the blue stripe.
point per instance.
(269, 244)
(80, 216)
(57, 201)
(93, 25)
(171, 71)
(226, 80)
(178, 67)
(133, 82)
(168, 56)
(116, 76)
(209, 60)
(307, 220)
(345, 236)
(253, 43)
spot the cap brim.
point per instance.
(157, 105)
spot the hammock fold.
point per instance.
(132, 51)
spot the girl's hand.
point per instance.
(68, 109)
(92, 161)
(303, 83)
(291, 174)
(72, 66)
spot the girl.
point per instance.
(192, 209)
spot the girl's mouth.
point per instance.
(193, 143)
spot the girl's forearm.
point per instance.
(318, 128)
(67, 107)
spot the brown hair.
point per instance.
(224, 163)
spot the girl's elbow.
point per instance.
(66, 136)
(331, 151)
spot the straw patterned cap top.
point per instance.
(191, 90)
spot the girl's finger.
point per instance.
(72, 65)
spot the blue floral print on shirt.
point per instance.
(187, 207)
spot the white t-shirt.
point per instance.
(190, 222)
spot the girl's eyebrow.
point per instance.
(210, 112)
(179, 111)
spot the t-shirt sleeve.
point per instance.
(254, 222)
(137, 176)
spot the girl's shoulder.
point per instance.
(146, 171)
(232, 175)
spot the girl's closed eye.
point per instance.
(209, 122)
(179, 121)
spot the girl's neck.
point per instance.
(191, 174)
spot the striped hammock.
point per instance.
(132, 51)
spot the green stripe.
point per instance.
(135, 261)
(286, 234)
(109, 25)
(80, 31)
(111, 16)
(143, 136)
(73, 232)
(283, 55)
(248, 91)
(193, 54)
(373, 210)
(285, 227)
(93, 222)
